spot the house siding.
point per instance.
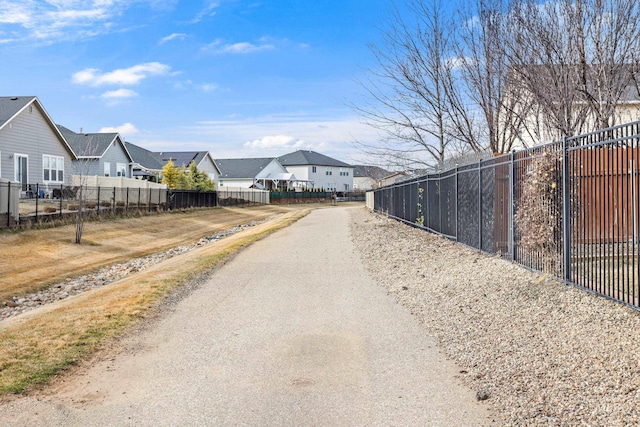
(114, 155)
(30, 134)
(325, 177)
(273, 167)
(207, 166)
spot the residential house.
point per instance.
(621, 94)
(32, 149)
(145, 164)
(99, 154)
(315, 170)
(203, 160)
(261, 173)
(366, 177)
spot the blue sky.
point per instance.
(237, 78)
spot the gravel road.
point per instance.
(292, 331)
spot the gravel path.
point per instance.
(544, 353)
(292, 331)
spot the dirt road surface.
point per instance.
(291, 332)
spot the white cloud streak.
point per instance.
(48, 21)
(126, 129)
(278, 142)
(119, 94)
(124, 76)
(242, 48)
(174, 36)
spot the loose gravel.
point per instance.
(541, 352)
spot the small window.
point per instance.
(313, 169)
(121, 169)
(107, 169)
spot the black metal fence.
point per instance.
(25, 205)
(569, 208)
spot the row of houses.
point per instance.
(36, 150)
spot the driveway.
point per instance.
(291, 332)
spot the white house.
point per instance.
(315, 170)
(261, 173)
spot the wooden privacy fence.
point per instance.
(606, 203)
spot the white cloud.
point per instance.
(56, 20)
(209, 87)
(174, 36)
(277, 141)
(126, 129)
(125, 76)
(209, 10)
(119, 94)
(237, 48)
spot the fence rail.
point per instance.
(24, 205)
(570, 208)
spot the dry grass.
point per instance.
(33, 259)
(42, 343)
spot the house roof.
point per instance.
(11, 106)
(242, 168)
(308, 157)
(145, 158)
(373, 172)
(89, 144)
(182, 158)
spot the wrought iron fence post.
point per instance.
(9, 205)
(566, 212)
(455, 188)
(37, 194)
(480, 204)
(61, 197)
(512, 202)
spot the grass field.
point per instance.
(42, 343)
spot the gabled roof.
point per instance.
(143, 157)
(11, 106)
(90, 145)
(307, 157)
(182, 158)
(242, 168)
(373, 172)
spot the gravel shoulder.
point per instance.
(546, 353)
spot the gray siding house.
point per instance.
(99, 154)
(145, 164)
(32, 149)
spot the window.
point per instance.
(53, 168)
(121, 169)
(313, 169)
(107, 169)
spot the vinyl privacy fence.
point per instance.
(570, 208)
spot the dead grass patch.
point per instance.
(34, 259)
(42, 343)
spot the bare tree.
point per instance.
(488, 79)
(576, 59)
(408, 101)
